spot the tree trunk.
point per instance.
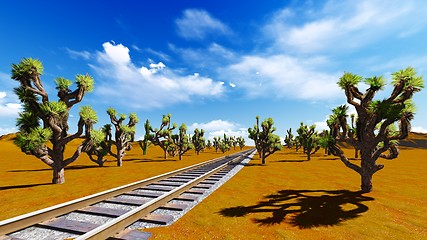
(366, 181)
(58, 174)
(165, 153)
(262, 155)
(120, 154)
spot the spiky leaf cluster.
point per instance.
(33, 140)
(85, 82)
(26, 69)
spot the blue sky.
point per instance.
(213, 64)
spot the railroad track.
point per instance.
(121, 213)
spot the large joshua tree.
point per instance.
(380, 123)
(124, 133)
(162, 137)
(43, 120)
(266, 142)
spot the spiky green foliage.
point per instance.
(85, 82)
(266, 142)
(349, 79)
(54, 108)
(376, 83)
(62, 83)
(88, 114)
(27, 69)
(33, 140)
(375, 131)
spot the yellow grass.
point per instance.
(289, 198)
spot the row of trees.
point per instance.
(374, 131)
(43, 125)
(377, 128)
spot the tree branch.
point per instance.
(336, 151)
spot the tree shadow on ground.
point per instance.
(23, 186)
(68, 168)
(292, 161)
(305, 208)
(253, 164)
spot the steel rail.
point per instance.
(118, 224)
(20, 222)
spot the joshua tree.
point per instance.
(162, 137)
(181, 141)
(53, 115)
(99, 144)
(266, 142)
(124, 134)
(241, 142)
(216, 141)
(198, 140)
(146, 142)
(289, 138)
(308, 139)
(209, 144)
(224, 144)
(380, 123)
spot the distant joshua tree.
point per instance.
(224, 144)
(99, 144)
(162, 137)
(209, 144)
(124, 134)
(266, 142)
(53, 115)
(181, 141)
(241, 142)
(289, 138)
(308, 139)
(380, 123)
(146, 142)
(216, 141)
(198, 140)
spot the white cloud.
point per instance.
(3, 95)
(147, 87)
(283, 76)
(197, 24)
(10, 109)
(345, 25)
(232, 85)
(213, 125)
(418, 129)
(78, 54)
